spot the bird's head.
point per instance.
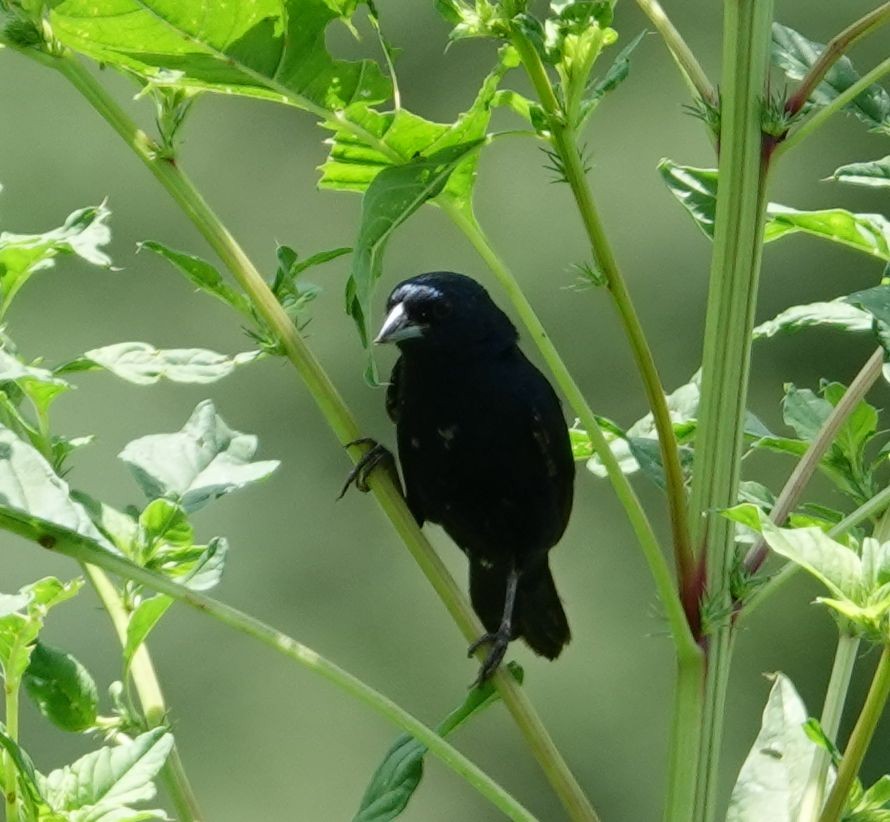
(443, 311)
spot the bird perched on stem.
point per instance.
(484, 451)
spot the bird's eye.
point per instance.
(441, 309)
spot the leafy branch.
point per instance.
(809, 462)
(565, 145)
(835, 49)
(816, 120)
(84, 550)
(332, 406)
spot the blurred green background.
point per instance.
(261, 738)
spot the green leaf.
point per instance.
(875, 174)
(876, 797)
(638, 448)
(773, 778)
(167, 545)
(35, 497)
(859, 427)
(397, 777)
(20, 629)
(203, 461)
(203, 568)
(202, 274)
(805, 412)
(365, 141)
(267, 48)
(62, 688)
(83, 234)
(119, 528)
(795, 55)
(835, 565)
(875, 301)
(110, 777)
(869, 233)
(164, 527)
(143, 364)
(614, 77)
(868, 816)
(147, 614)
(12, 369)
(393, 196)
(835, 314)
(25, 767)
(696, 191)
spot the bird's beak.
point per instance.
(397, 326)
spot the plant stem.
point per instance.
(11, 693)
(466, 221)
(821, 116)
(565, 143)
(859, 740)
(151, 696)
(833, 52)
(809, 462)
(832, 710)
(732, 295)
(82, 549)
(871, 508)
(690, 68)
(337, 415)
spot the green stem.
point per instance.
(822, 115)
(73, 545)
(466, 221)
(685, 743)
(11, 691)
(869, 509)
(832, 710)
(833, 51)
(859, 740)
(151, 696)
(565, 143)
(690, 68)
(809, 462)
(732, 295)
(338, 417)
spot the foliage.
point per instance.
(691, 439)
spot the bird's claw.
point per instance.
(499, 641)
(360, 472)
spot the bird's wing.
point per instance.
(538, 412)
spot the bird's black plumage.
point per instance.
(484, 451)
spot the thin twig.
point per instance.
(871, 508)
(822, 115)
(835, 49)
(686, 61)
(809, 462)
(860, 739)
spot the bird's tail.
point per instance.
(538, 616)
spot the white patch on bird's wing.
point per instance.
(415, 442)
(448, 433)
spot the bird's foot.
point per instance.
(499, 640)
(360, 472)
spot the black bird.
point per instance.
(485, 452)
